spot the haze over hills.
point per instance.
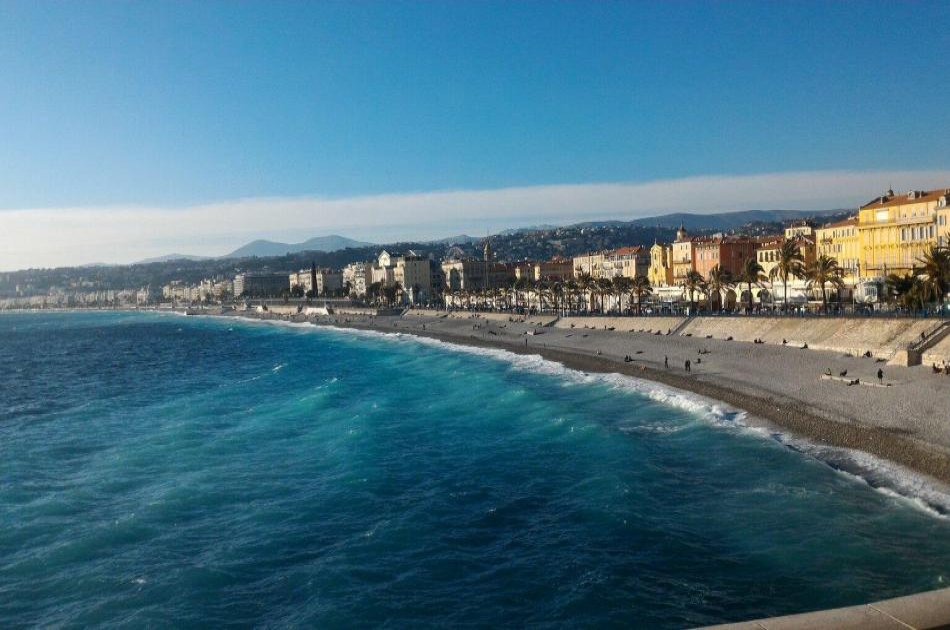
(719, 222)
(262, 247)
(169, 257)
(724, 222)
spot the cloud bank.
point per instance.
(51, 237)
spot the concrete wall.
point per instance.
(538, 320)
(882, 337)
(624, 324)
(923, 610)
(939, 353)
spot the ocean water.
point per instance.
(188, 472)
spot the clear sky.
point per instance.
(178, 110)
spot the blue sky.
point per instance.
(177, 105)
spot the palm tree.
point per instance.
(557, 294)
(790, 263)
(934, 272)
(752, 273)
(586, 285)
(640, 286)
(720, 280)
(572, 290)
(605, 287)
(694, 283)
(622, 286)
(824, 270)
(374, 291)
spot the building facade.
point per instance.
(660, 273)
(897, 230)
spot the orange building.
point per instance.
(728, 252)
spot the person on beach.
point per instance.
(880, 375)
(666, 362)
(686, 365)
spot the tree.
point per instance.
(790, 262)
(934, 272)
(694, 283)
(557, 294)
(622, 286)
(572, 291)
(640, 286)
(604, 287)
(375, 291)
(752, 273)
(296, 291)
(586, 285)
(822, 271)
(720, 280)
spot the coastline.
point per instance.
(790, 417)
(767, 409)
(796, 417)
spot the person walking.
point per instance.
(880, 375)
(666, 362)
(686, 365)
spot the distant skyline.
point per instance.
(136, 130)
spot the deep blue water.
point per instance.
(171, 471)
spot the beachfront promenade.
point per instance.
(916, 612)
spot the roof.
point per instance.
(776, 241)
(849, 222)
(624, 251)
(890, 200)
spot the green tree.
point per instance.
(719, 281)
(823, 271)
(752, 273)
(694, 283)
(640, 286)
(790, 263)
(933, 274)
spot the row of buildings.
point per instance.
(889, 234)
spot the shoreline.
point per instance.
(782, 414)
(767, 410)
(798, 417)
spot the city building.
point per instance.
(729, 253)
(684, 252)
(897, 230)
(414, 274)
(767, 252)
(556, 269)
(358, 276)
(840, 241)
(259, 284)
(660, 273)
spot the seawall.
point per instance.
(883, 338)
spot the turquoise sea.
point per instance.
(158, 470)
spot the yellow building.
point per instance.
(661, 265)
(840, 241)
(684, 256)
(895, 231)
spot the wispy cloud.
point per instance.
(63, 236)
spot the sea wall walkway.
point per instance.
(920, 611)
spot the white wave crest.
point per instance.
(888, 478)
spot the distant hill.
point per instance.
(454, 240)
(262, 248)
(170, 257)
(732, 220)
